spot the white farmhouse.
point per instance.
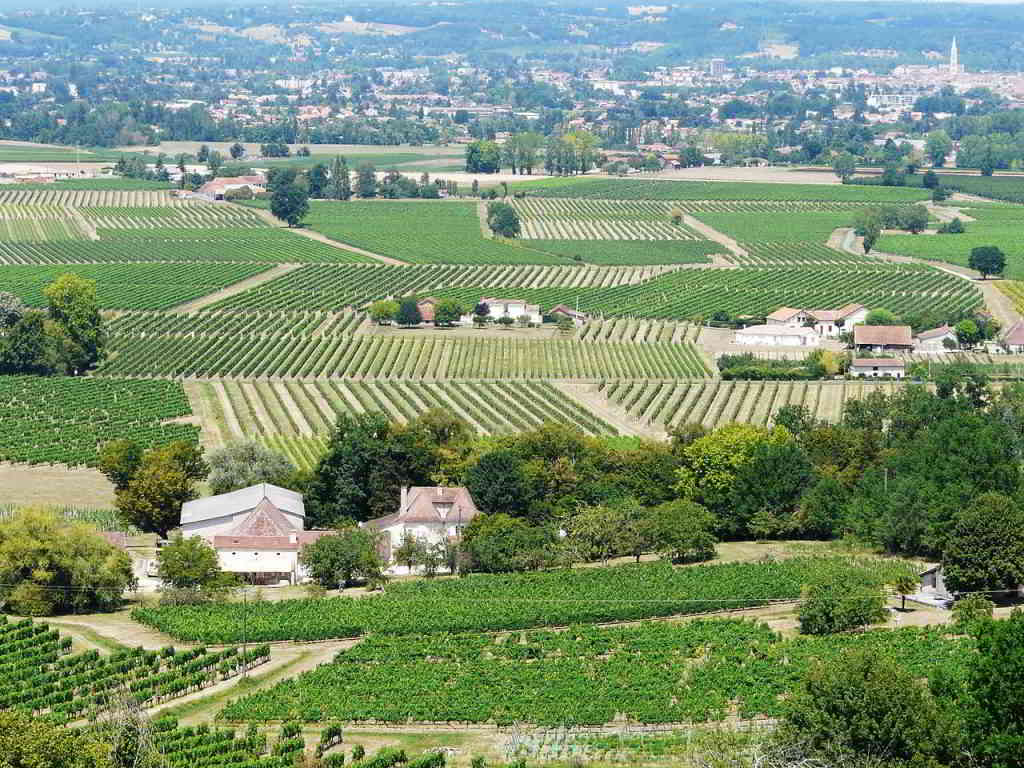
(514, 308)
(827, 323)
(878, 368)
(777, 336)
(257, 531)
(431, 514)
(935, 340)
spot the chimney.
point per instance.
(405, 499)
(440, 491)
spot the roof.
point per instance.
(293, 542)
(782, 314)
(883, 335)
(775, 330)
(508, 301)
(566, 310)
(1016, 333)
(883, 362)
(935, 333)
(427, 504)
(831, 315)
(242, 500)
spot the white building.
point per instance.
(431, 514)
(777, 336)
(514, 308)
(935, 340)
(878, 368)
(257, 531)
(827, 323)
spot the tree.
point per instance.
(866, 704)
(937, 146)
(939, 195)
(833, 604)
(317, 180)
(565, 325)
(914, 218)
(498, 484)
(448, 312)
(868, 224)
(29, 347)
(336, 561)
(930, 180)
(11, 309)
(844, 166)
(988, 260)
(411, 551)
(986, 548)
(905, 584)
(214, 162)
(767, 488)
(237, 151)
(970, 612)
(28, 741)
(71, 303)
(683, 532)
(592, 532)
(289, 203)
(408, 313)
(203, 154)
(503, 220)
(164, 480)
(995, 717)
(191, 564)
(119, 460)
(49, 565)
(239, 465)
(483, 156)
(497, 543)
(967, 333)
(366, 181)
(339, 186)
(383, 312)
(881, 317)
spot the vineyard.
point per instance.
(480, 602)
(768, 253)
(750, 226)
(713, 402)
(66, 420)
(697, 671)
(656, 189)
(995, 224)
(130, 286)
(598, 220)
(39, 675)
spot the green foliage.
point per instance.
(336, 561)
(683, 532)
(164, 480)
(995, 718)
(239, 465)
(497, 543)
(49, 565)
(503, 220)
(985, 549)
(290, 203)
(987, 259)
(408, 313)
(971, 612)
(383, 312)
(834, 604)
(191, 565)
(448, 312)
(30, 742)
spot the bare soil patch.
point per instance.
(56, 484)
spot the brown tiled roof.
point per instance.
(285, 543)
(1016, 333)
(265, 520)
(782, 314)
(934, 333)
(887, 362)
(882, 335)
(421, 506)
(831, 315)
(566, 310)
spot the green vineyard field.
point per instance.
(66, 420)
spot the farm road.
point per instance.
(235, 288)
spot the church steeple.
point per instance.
(954, 59)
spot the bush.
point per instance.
(834, 605)
(971, 611)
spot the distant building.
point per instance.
(883, 338)
(578, 318)
(827, 323)
(216, 188)
(717, 68)
(935, 340)
(878, 368)
(514, 308)
(1014, 338)
(257, 531)
(777, 336)
(426, 307)
(955, 67)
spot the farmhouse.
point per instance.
(432, 514)
(827, 323)
(935, 340)
(777, 336)
(257, 531)
(933, 586)
(215, 189)
(1014, 338)
(426, 308)
(562, 310)
(882, 338)
(878, 368)
(514, 308)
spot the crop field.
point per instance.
(39, 675)
(66, 420)
(656, 189)
(999, 225)
(689, 293)
(713, 402)
(113, 196)
(1014, 289)
(104, 184)
(484, 602)
(32, 153)
(767, 253)
(812, 226)
(399, 356)
(418, 232)
(652, 673)
(130, 286)
(553, 219)
(1007, 188)
(631, 252)
(331, 288)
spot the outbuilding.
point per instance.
(878, 368)
(777, 336)
(883, 338)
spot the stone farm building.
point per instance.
(563, 310)
(514, 308)
(777, 336)
(215, 189)
(257, 531)
(432, 514)
(883, 338)
(935, 340)
(827, 323)
(878, 368)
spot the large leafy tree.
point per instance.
(338, 560)
(49, 565)
(503, 544)
(27, 741)
(498, 483)
(985, 550)
(71, 304)
(834, 603)
(503, 219)
(240, 465)
(190, 564)
(289, 203)
(996, 678)
(408, 313)
(339, 185)
(987, 259)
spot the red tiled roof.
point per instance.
(422, 506)
(887, 362)
(782, 314)
(882, 335)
